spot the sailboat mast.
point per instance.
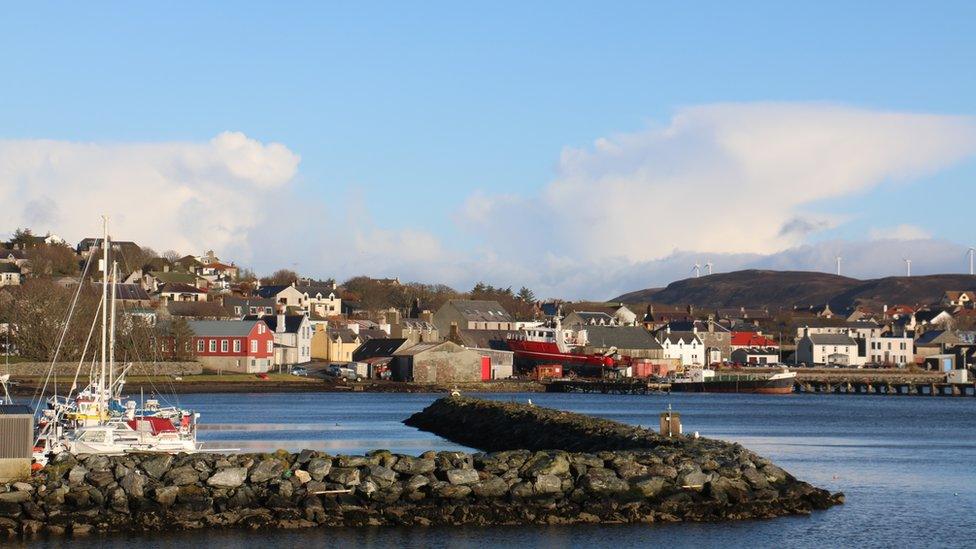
(111, 339)
(105, 244)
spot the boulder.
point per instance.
(647, 486)
(15, 497)
(599, 480)
(302, 476)
(166, 495)
(133, 483)
(181, 476)
(347, 476)
(462, 476)
(157, 466)
(318, 468)
(546, 464)
(493, 487)
(383, 476)
(77, 475)
(548, 484)
(413, 466)
(231, 477)
(267, 470)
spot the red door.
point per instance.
(485, 368)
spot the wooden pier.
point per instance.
(606, 386)
(885, 388)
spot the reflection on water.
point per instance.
(906, 464)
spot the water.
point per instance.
(907, 466)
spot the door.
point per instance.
(485, 368)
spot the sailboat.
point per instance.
(96, 420)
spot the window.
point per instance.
(270, 346)
(261, 328)
(267, 310)
(237, 309)
(254, 310)
(254, 346)
(199, 345)
(213, 345)
(223, 345)
(237, 345)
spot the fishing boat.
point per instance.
(555, 345)
(705, 380)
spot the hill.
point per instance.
(784, 289)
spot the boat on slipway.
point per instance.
(706, 380)
(554, 345)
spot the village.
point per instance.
(207, 310)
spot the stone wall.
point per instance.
(164, 493)
(67, 369)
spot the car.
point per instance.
(261, 376)
(299, 371)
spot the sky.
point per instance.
(580, 149)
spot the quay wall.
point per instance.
(68, 369)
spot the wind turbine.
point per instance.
(697, 270)
(838, 258)
(708, 267)
(971, 252)
(908, 266)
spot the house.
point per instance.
(886, 349)
(439, 362)
(826, 348)
(376, 348)
(491, 344)
(469, 314)
(286, 295)
(632, 341)
(933, 317)
(249, 306)
(618, 311)
(577, 319)
(233, 345)
(334, 344)
(856, 329)
(130, 296)
(657, 317)
(15, 257)
(959, 299)
(322, 297)
(292, 337)
(179, 292)
(219, 271)
(755, 356)
(9, 274)
(819, 311)
(935, 342)
(685, 347)
(152, 281)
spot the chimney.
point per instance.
(427, 316)
(280, 328)
(667, 328)
(455, 334)
(354, 326)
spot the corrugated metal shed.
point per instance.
(16, 431)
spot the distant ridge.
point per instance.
(784, 289)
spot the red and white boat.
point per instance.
(554, 345)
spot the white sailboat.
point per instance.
(95, 420)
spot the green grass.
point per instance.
(224, 378)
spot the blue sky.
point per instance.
(406, 111)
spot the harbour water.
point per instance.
(906, 464)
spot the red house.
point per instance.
(742, 340)
(233, 345)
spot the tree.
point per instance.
(53, 260)
(23, 239)
(180, 336)
(171, 255)
(281, 277)
(525, 294)
(37, 313)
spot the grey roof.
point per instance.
(318, 288)
(239, 328)
(831, 339)
(675, 337)
(485, 339)
(481, 311)
(15, 410)
(934, 337)
(131, 292)
(414, 350)
(292, 322)
(377, 347)
(9, 268)
(344, 335)
(593, 317)
(248, 302)
(621, 337)
(271, 291)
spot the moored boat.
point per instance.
(705, 380)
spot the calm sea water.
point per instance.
(907, 466)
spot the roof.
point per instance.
(131, 292)
(168, 277)
(316, 288)
(15, 410)
(17, 254)
(675, 337)
(936, 337)
(377, 347)
(292, 322)
(179, 288)
(9, 268)
(751, 339)
(757, 350)
(230, 301)
(344, 335)
(593, 317)
(238, 328)
(621, 337)
(421, 347)
(485, 339)
(831, 339)
(271, 291)
(481, 311)
(218, 266)
(928, 315)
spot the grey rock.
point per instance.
(648, 487)
(413, 466)
(118, 501)
(694, 479)
(599, 480)
(231, 477)
(77, 475)
(493, 487)
(157, 466)
(347, 476)
(97, 463)
(755, 478)
(545, 464)
(452, 491)
(22, 487)
(523, 490)
(166, 495)
(462, 476)
(133, 483)
(548, 484)
(417, 482)
(383, 476)
(181, 476)
(15, 497)
(267, 470)
(319, 468)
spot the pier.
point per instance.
(606, 386)
(885, 388)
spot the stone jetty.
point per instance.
(635, 477)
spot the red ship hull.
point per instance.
(532, 353)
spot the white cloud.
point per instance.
(899, 232)
(731, 178)
(180, 195)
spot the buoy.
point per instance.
(530, 402)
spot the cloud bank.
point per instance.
(742, 185)
(182, 195)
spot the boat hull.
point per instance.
(753, 386)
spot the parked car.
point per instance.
(261, 376)
(299, 371)
(343, 372)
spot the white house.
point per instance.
(816, 348)
(323, 299)
(292, 338)
(684, 346)
(286, 295)
(9, 274)
(889, 349)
